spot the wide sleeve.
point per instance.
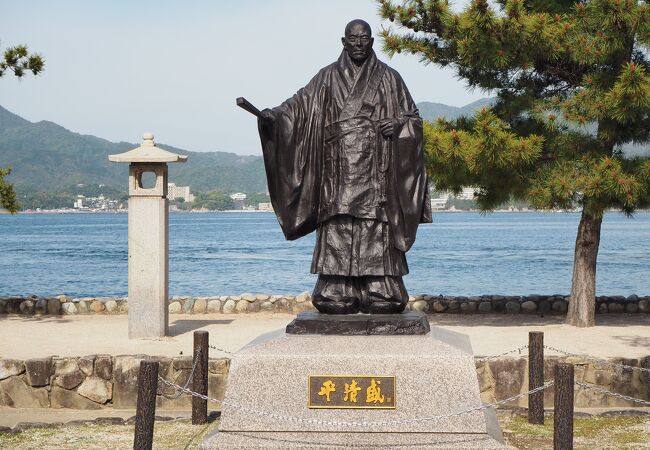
(292, 149)
(410, 204)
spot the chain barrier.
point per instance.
(612, 394)
(187, 383)
(180, 390)
(221, 350)
(353, 424)
(514, 350)
(598, 361)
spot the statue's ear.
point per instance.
(372, 41)
(343, 41)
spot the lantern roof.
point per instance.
(148, 152)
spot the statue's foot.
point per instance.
(327, 306)
(384, 307)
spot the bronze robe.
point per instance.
(329, 168)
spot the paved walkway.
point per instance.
(24, 337)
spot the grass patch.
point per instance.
(169, 435)
(615, 432)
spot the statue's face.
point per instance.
(358, 42)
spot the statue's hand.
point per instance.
(268, 116)
(386, 127)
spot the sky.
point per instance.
(117, 69)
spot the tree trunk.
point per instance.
(582, 304)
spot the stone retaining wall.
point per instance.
(96, 381)
(245, 303)
(505, 377)
(103, 381)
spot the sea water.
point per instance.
(230, 253)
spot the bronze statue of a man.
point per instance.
(344, 157)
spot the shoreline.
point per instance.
(255, 211)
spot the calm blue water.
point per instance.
(231, 253)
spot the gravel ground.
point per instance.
(597, 432)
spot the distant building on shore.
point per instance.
(265, 207)
(174, 192)
(440, 200)
(467, 193)
(240, 200)
(83, 203)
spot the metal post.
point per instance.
(200, 378)
(535, 377)
(146, 405)
(563, 408)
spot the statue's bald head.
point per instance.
(358, 40)
(361, 22)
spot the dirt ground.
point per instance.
(596, 432)
(620, 335)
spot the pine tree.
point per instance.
(18, 60)
(572, 87)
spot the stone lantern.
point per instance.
(148, 237)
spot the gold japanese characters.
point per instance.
(351, 391)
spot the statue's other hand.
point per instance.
(386, 127)
(268, 116)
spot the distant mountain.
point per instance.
(47, 157)
(432, 111)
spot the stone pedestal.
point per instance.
(266, 403)
(148, 271)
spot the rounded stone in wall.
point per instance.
(544, 307)
(284, 304)
(40, 307)
(529, 307)
(242, 306)
(454, 305)
(82, 306)
(602, 308)
(26, 307)
(174, 307)
(69, 308)
(420, 305)
(97, 306)
(53, 306)
(468, 307)
(498, 305)
(512, 307)
(303, 297)
(110, 306)
(559, 306)
(632, 308)
(214, 306)
(616, 308)
(200, 306)
(188, 304)
(439, 306)
(644, 306)
(229, 307)
(266, 306)
(485, 307)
